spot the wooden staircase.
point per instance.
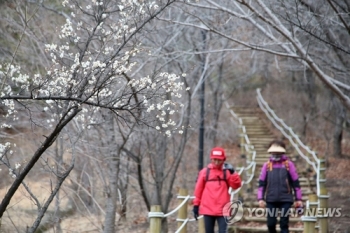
(260, 135)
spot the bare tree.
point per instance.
(292, 36)
(285, 35)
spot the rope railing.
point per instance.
(161, 214)
(294, 139)
(290, 130)
(156, 214)
(179, 206)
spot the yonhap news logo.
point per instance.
(233, 211)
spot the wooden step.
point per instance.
(252, 133)
(263, 219)
(261, 159)
(260, 140)
(303, 183)
(249, 117)
(256, 129)
(306, 191)
(255, 204)
(258, 143)
(253, 122)
(260, 136)
(262, 229)
(305, 195)
(301, 179)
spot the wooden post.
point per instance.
(182, 213)
(309, 218)
(155, 221)
(243, 152)
(250, 172)
(201, 228)
(313, 205)
(323, 198)
(240, 165)
(242, 140)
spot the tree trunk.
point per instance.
(123, 185)
(165, 226)
(59, 160)
(338, 129)
(310, 107)
(113, 168)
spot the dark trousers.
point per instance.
(209, 223)
(284, 208)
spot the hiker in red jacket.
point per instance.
(211, 191)
(277, 182)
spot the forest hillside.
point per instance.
(110, 107)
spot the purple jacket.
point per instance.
(277, 184)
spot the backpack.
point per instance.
(224, 171)
(269, 167)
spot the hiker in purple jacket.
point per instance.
(277, 182)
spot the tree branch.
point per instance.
(47, 143)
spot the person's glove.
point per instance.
(229, 167)
(299, 208)
(195, 212)
(262, 204)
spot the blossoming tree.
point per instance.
(87, 76)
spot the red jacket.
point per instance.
(212, 195)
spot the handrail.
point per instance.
(179, 206)
(162, 215)
(273, 118)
